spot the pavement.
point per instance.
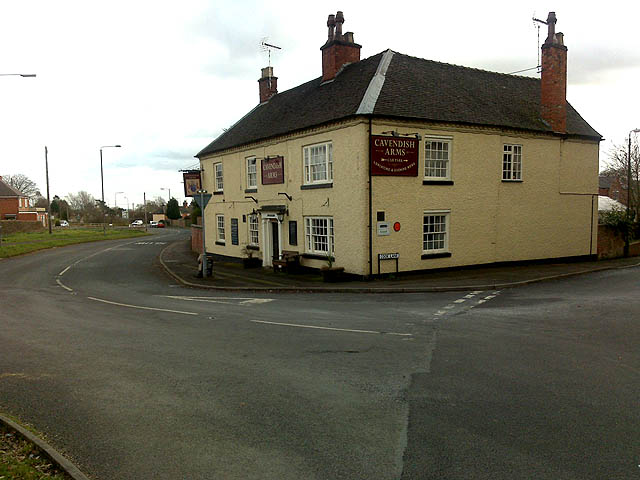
(181, 263)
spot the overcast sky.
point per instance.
(164, 78)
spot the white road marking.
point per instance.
(471, 295)
(489, 297)
(331, 328)
(480, 302)
(141, 307)
(63, 286)
(449, 307)
(64, 271)
(224, 300)
(477, 292)
(460, 300)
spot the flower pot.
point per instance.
(252, 262)
(332, 275)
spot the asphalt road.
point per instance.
(135, 377)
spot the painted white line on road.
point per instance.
(449, 307)
(471, 295)
(460, 300)
(331, 328)
(141, 307)
(63, 285)
(477, 292)
(64, 271)
(224, 300)
(489, 297)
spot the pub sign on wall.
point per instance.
(394, 156)
(273, 170)
(192, 182)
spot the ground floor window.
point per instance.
(319, 235)
(435, 232)
(253, 229)
(220, 227)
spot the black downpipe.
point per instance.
(370, 207)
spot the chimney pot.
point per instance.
(331, 23)
(339, 22)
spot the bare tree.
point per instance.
(23, 184)
(84, 207)
(617, 166)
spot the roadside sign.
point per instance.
(204, 198)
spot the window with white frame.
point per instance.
(252, 174)
(435, 232)
(318, 163)
(437, 159)
(218, 177)
(512, 162)
(319, 235)
(220, 227)
(253, 230)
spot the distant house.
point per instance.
(14, 205)
(612, 187)
(393, 157)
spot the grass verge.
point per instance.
(21, 243)
(22, 460)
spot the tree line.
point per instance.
(83, 207)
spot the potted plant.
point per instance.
(331, 274)
(249, 261)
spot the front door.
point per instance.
(274, 241)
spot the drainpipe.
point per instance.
(370, 206)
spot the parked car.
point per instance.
(161, 224)
(153, 224)
(64, 223)
(136, 223)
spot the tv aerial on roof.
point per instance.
(267, 47)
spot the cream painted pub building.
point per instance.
(399, 162)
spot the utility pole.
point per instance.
(144, 198)
(46, 164)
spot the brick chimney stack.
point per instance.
(339, 50)
(554, 78)
(268, 84)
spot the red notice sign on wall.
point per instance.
(394, 156)
(273, 170)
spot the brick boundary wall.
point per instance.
(611, 244)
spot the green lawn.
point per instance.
(20, 243)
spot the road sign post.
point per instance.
(202, 199)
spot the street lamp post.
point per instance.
(25, 75)
(162, 188)
(115, 200)
(627, 232)
(104, 227)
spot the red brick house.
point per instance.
(14, 205)
(612, 187)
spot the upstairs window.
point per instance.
(318, 163)
(219, 184)
(437, 159)
(252, 175)
(512, 162)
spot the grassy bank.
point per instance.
(21, 459)
(20, 243)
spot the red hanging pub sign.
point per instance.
(394, 156)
